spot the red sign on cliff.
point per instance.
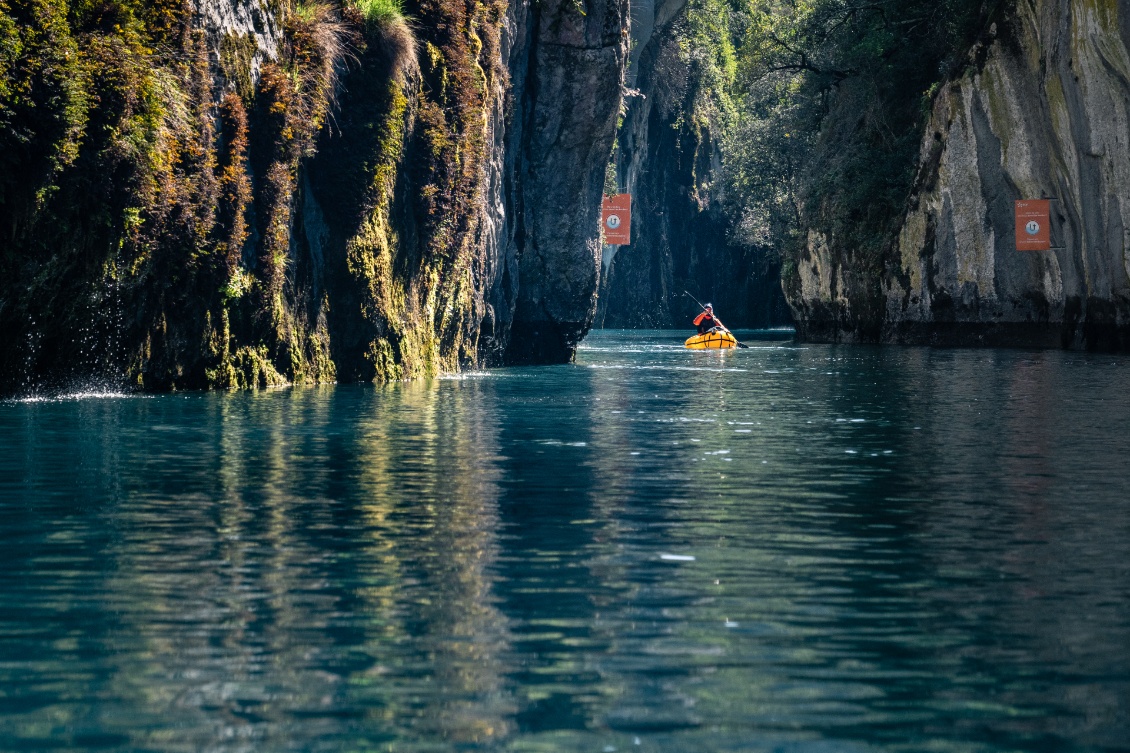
(616, 219)
(1033, 225)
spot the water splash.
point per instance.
(90, 363)
(64, 397)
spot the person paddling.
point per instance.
(706, 321)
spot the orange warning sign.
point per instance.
(1033, 225)
(616, 219)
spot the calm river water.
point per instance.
(785, 548)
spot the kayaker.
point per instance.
(706, 321)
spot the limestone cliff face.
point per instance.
(1044, 112)
(569, 74)
(211, 193)
(669, 158)
(248, 32)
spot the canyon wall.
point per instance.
(1041, 111)
(220, 194)
(568, 101)
(669, 158)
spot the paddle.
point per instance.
(720, 324)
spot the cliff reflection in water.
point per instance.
(255, 561)
(793, 548)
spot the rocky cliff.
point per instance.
(1041, 111)
(218, 193)
(669, 158)
(570, 69)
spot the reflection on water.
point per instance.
(807, 548)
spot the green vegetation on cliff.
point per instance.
(819, 106)
(155, 198)
(400, 183)
(834, 96)
(799, 121)
(383, 14)
(129, 243)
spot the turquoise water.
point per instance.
(783, 548)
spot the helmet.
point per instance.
(708, 306)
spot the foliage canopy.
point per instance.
(829, 100)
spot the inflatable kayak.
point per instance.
(713, 340)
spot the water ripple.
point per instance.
(782, 549)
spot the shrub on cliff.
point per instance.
(381, 12)
(155, 220)
(387, 26)
(45, 99)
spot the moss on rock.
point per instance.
(154, 214)
(237, 59)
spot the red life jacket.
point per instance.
(706, 321)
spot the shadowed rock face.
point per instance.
(670, 161)
(1046, 115)
(568, 73)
